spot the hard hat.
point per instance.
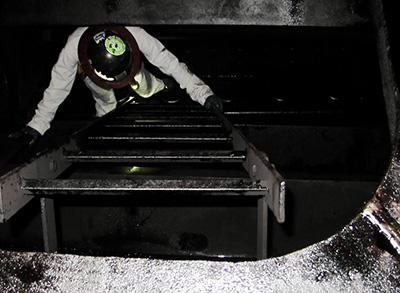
(109, 56)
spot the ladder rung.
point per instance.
(152, 124)
(162, 138)
(224, 186)
(155, 156)
(164, 117)
(165, 109)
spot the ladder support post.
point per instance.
(262, 228)
(48, 224)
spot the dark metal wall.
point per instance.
(221, 12)
(37, 30)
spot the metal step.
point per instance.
(160, 124)
(176, 109)
(167, 116)
(167, 146)
(158, 156)
(45, 187)
(162, 139)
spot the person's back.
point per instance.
(110, 58)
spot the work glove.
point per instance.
(169, 84)
(213, 100)
(27, 133)
(171, 93)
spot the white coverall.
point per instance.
(64, 72)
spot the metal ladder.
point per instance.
(184, 136)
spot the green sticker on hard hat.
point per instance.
(115, 45)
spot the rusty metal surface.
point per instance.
(350, 261)
(238, 12)
(383, 210)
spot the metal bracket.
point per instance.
(259, 168)
(12, 198)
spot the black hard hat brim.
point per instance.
(87, 66)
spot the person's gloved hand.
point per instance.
(28, 133)
(213, 100)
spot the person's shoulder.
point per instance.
(134, 29)
(74, 38)
(77, 33)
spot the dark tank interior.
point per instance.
(310, 97)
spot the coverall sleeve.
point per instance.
(62, 79)
(158, 55)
